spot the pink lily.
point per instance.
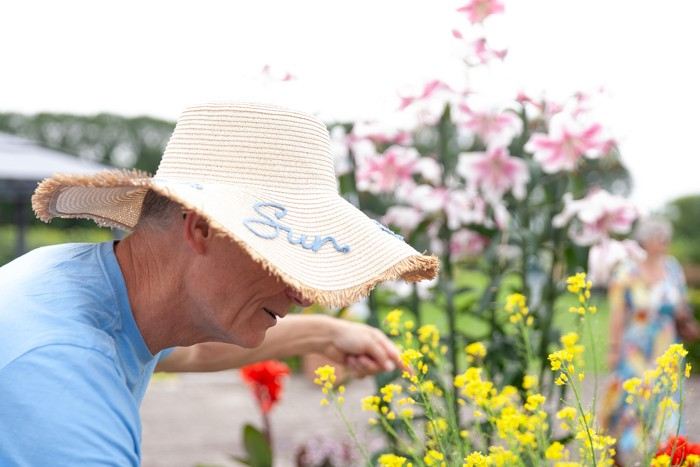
(426, 198)
(494, 172)
(567, 142)
(466, 242)
(596, 216)
(479, 52)
(494, 128)
(427, 107)
(463, 208)
(380, 133)
(406, 218)
(383, 173)
(478, 10)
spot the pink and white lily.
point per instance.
(382, 173)
(478, 10)
(494, 172)
(567, 142)
(493, 127)
(596, 216)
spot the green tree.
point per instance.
(124, 142)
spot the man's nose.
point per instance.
(297, 298)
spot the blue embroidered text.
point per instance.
(313, 243)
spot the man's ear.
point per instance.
(196, 231)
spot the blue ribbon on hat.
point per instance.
(309, 242)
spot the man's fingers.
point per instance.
(362, 365)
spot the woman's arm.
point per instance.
(362, 348)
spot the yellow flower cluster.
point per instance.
(476, 351)
(500, 426)
(325, 377)
(579, 285)
(516, 307)
(657, 393)
(391, 460)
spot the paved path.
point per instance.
(192, 419)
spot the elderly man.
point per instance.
(241, 222)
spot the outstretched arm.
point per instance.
(361, 348)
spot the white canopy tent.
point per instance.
(23, 164)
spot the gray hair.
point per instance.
(158, 211)
(651, 227)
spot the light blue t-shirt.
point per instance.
(73, 364)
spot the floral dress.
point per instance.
(649, 330)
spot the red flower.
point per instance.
(265, 379)
(682, 449)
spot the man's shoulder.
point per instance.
(55, 294)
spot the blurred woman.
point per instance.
(644, 295)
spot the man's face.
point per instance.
(237, 300)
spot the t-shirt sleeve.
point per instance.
(66, 405)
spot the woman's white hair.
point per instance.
(652, 227)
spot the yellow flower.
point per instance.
(578, 283)
(393, 321)
(389, 391)
(534, 401)
(476, 349)
(371, 403)
(663, 460)
(557, 358)
(632, 385)
(430, 388)
(391, 460)
(555, 451)
(567, 413)
(433, 457)
(501, 457)
(409, 356)
(530, 381)
(476, 459)
(326, 376)
(515, 302)
(429, 334)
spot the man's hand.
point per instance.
(363, 349)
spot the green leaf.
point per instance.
(257, 447)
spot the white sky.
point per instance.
(154, 57)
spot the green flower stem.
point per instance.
(680, 407)
(432, 416)
(453, 417)
(390, 429)
(589, 329)
(663, 419)
(584, 422)
(531, 361)
(339, 408)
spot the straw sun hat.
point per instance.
(264, 176)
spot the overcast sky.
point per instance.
(350, 58)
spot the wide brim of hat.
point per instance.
(329, 273)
